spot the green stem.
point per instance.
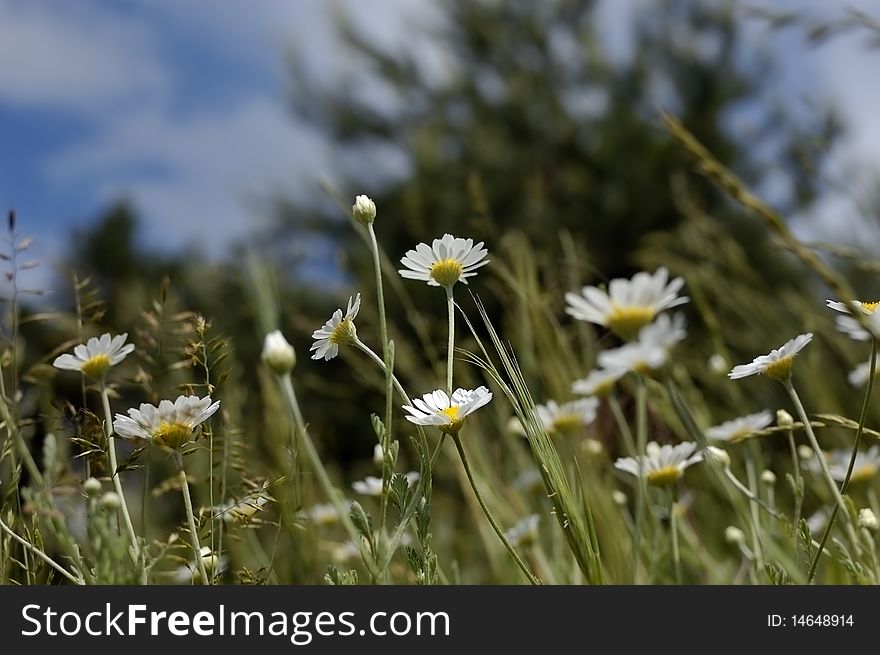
(752, 477)
(39, 553)
(641, 491)
(673, 529)
(852, 460)
(802, 414)
(191, 520)
(114, 476)
(450, 304)
(799, 486)
(389, 371)
(467, 469)
(622, 425)
(323, 477)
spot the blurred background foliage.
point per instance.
(539, 142)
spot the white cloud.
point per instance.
(193, 179)
(70, 56)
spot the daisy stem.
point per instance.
(329, 490)
(799, 486)
(753, 498)
(381, 364)
(191, 519)
(811, 436)
(673, 531)
(852, 460)
(39, 553)
(752, 477)
(450, 304)
(467, 469)
(388, 358)
(642, 491)
(117, 482)
(622, 425)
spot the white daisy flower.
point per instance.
(777, 364)
(445, 262)
(739, 428)
(852, 328)
(170, 424)
(628, 305)
(372, 486)
(214, 566)
(866, 466)
(378, 455)
(525, 532)
(345, 552)
(865, 307)
(277, 353)
(858, 377)
(338, 331)
(599, 382)
(662, 465)
(567, 418)
(651, 351)
(445, 413)
(322, 513)
(96, 356)
(241, 510)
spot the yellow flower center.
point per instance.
(446, 272)
(172, 435)
(663, 477)
(863, 473)
(626, 322)
(870, 307)
(344, 333)
(454, 424)
(780, 370)
(96, 367)
(567, 423)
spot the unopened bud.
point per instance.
(92, 486)
(868, 520)
(363, 210)
(111, 500)
(733, 535)
(805, 452)
(718, 455)
(278, 353)
(718, 365)
(618, 497)
(593, 447)
(784, 419)
(768, 477)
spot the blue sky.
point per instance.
(179, 106)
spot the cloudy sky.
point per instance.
(180, 107)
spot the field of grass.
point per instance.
(529, 423)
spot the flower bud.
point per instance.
(805, 452)
(868, 520)
(768, 477)
(718, 455)
(618, 497)
(92, 486)
(378, 455)
(593, 447)
(363, 210)
(111, 501)
(278, 354)
(718, 365)
(784, 419)
(733, 535)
